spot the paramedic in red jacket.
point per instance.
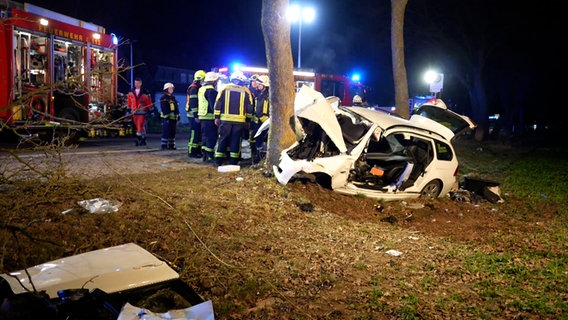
(140, 103)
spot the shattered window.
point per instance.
(443, 151)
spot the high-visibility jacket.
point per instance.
(139, 103)
(191, 102)
(261, 108)
(169, 107)
(206, 97)
(234, 104)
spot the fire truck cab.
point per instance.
(57, 73)
(340, 86)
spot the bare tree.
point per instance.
(398, 8)
(467, 44)
(276, 31)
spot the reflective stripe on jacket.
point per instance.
(141, 103)
(234, 103)
(261, 108)
(206, 97)
(169, 107)
(192, 100)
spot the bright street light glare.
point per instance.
(431, 76)
(293, 13)
(309, 14)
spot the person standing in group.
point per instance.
(260, 115)
(253, 87)
(194, 142)
(233, 112)
(357, 101)
(139, 101)
(254, 91)
(206, 101)
(170, 116)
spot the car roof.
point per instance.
(388, 121)
(455, 122)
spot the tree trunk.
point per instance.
(398, 8)
(276, 31)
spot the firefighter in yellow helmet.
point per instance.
(169, 113)
(206, 96)
(191, 105)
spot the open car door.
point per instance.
(455, 122)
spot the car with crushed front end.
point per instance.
(362, 151)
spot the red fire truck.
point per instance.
(58, 74)
(328, 84)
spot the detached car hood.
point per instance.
(113, 269)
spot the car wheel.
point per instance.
(431, 190)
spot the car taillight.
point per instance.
(457, 169)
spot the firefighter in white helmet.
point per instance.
(233, 111)
(357, 101)
(170, 116)
(260, 114)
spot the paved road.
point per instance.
(95, 145)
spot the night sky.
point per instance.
(346, 37)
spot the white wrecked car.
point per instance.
(354, 150)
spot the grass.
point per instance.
(251, 249)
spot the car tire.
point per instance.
(431, 190)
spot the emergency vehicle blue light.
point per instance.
(236, 66)
(356, 77)
(114, 39)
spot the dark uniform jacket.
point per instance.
(169, 107)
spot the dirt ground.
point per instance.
(268, 251)
(466, 221)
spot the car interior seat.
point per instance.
(419, 159)
(352, 133)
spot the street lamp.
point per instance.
(435, 80)
(131, 64)
(298, 14)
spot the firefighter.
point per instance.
(170, 116)
(357, 101)
(139, 101)
(233, 111)
(206, 96)
(194, 142)
(259, 116)
(253, 87)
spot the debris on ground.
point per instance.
(98, 205)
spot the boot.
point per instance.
(137, 141)
(143, 141)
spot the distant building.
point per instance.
(181, 78)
